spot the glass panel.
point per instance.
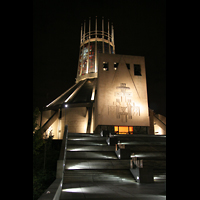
(85, 55)
(130, 128)
(92, 58)
(116, 128)
(123, 129)
(80, 62)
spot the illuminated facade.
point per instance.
(121, 99)
(110, 92)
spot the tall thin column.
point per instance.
(108, 31)
(103, 34)
(109, 38)
(84, 32)
(96, 46)
(81, 34)
(113, 39)
(96, 28)
(89, 26)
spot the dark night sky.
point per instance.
(140, 29)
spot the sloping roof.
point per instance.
(79, 93)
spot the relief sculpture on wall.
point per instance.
(123, 108)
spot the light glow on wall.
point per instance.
(50, 131)
(158, 130)
(59, 128)
(93, 93)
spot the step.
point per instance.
(147, 148)
(91, 155)
(82, 135)
(87, 142)
(140, 138)
(97, 175)
(87, 138)
(150, 155)
(72, 164)
(80, 147)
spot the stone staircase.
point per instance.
(93, 171)
(90, 159)
(96, 175)
(150, 149)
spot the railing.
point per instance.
(93, 34)
(99, 34)
(53, 192)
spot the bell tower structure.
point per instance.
(91, 43)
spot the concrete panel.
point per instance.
(122, 96)
(76, 118)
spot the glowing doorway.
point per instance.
(123, 129)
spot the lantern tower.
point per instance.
(91, 43)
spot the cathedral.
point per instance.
(110, 92)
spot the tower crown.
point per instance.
(92, 43)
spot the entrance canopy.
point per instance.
(80, 94)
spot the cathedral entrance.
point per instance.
(123, 130)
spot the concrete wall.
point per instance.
(121, 96)
(76, 118)
(45, 116)
(159, 124)
(151, 127)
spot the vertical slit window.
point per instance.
(116, 65)
(105, 66)
(128, 65)
(137, 70)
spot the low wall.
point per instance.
(53, 192)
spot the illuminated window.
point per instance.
(80, 62)
(123, 129)
(116, 129)
(137, 70)
(105, 66)
(115, 65)
(130, 130)
(92, 58)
